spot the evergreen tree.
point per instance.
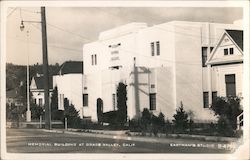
(180, 119)
(72, 115)
(122, 103)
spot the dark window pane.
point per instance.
(230, 85)
(231, 51)
(152, 98)
(204, 56)
(158, 48)
(85, 99)
(225, 51)
(114, 101)
(92, 59)
(205, 100)
(152, 49)
(95, 60)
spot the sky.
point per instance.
(68, 29)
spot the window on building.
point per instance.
(214, 95)
(85, 99)
(152, 101)
(95, 59)
(158, 48)
(40, 101)
(92, 59)
(205, 100)
(114, 101)
(231, 50)
(225, 51)
(211, 49)
(230, 85)
(152, 48)
(204, 56)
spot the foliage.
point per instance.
(225, 127)
(36, 111)
(122, 103)
(55, 113)
(72, 115)
(227, 108)
(180, 119)
(145, 120)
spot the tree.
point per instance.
(158, 123)
(55, 113)
(227, 108)
(36, 111)
(71, 114)
(122, 104)
(145, 119)
(180, 119)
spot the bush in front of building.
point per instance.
(36, 112)
(227, 108)
(73, 119)
(121, 104)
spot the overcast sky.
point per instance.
(69, 28)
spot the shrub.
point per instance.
(180, 119)
(227, 108)
(122, 103)
(73, 119)
(224, 126)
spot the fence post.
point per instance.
(66, 123)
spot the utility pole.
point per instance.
(45, 70)
(28, 113)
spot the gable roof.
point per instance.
(237, 36)
(69, 67)
(40, 82)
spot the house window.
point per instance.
(231, 50)
(152, 101)
(225, 51)
(93, 59)
(152, 48)
(158, 48)
(114, 101)
(204, 56)
(85, 99)
(230, 85)
(40, 101)
(205, 100)
(214, 95)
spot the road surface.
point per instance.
(39, 141)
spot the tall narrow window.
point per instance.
(214, 95)
(95, 60)
(158, 48)
(231, 50)
(225, 51)
(92, 59)
(85, 98)
(204, 56)
(114, 101)
(152, 101)
(152, 48)
(230, 85)
(205, 100)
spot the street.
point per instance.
(39, 141)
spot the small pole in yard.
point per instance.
(40, 121)
(66, 123)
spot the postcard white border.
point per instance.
(242, 152)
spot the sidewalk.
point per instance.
(172, 138)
